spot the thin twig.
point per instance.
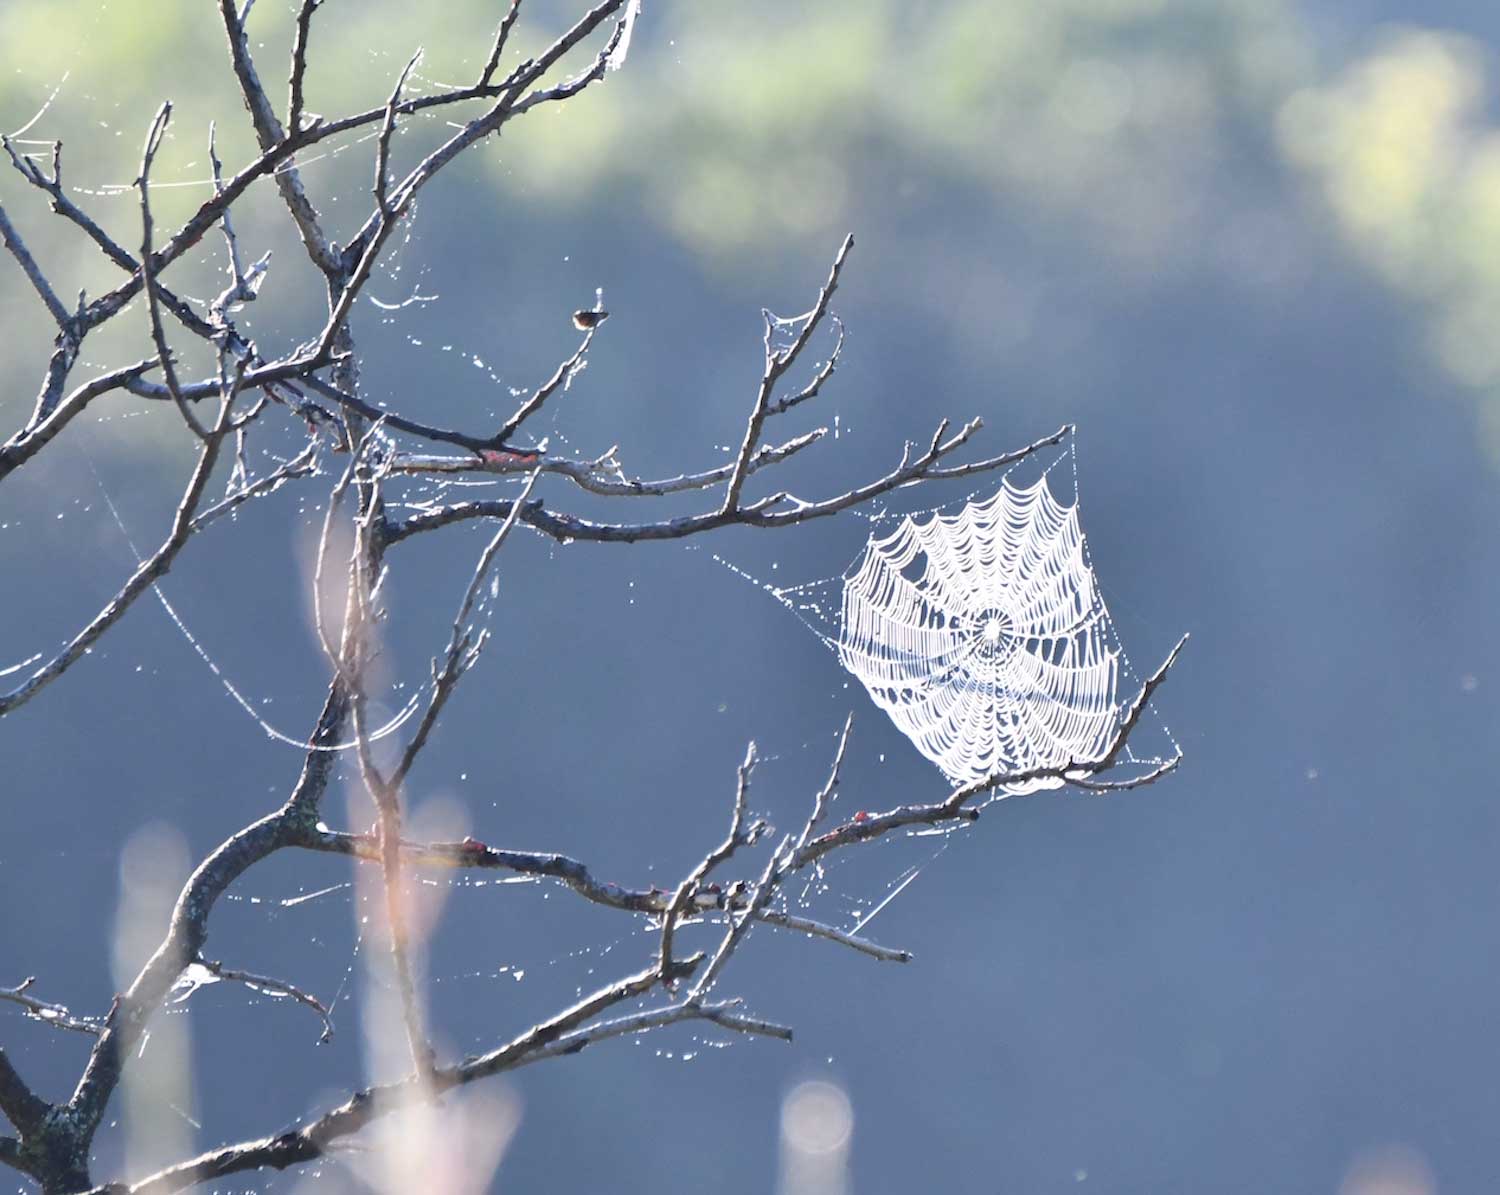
(498, 48)
(277, 150)
(153, 303)
(147, 574)
(464, 644)
(56, 1015)
(564, 373)
(567, 527)
(602, 475)
(296, 102)
(737, 837)
(777, 362)
(33, 272)
(31, 439)
(304, 464)
(805, 925)
(274, 987)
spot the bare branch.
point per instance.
(303, 464)
(1138, 706)
(804, 925)
(576, 876)
(146, 575)
(737, 837)
(63, 1135)
(739, 924)
(217, 332)
(22, 1106)
(392, 420)
(33, 272)
(11, 1155)
(31, 439)
(778, 361)
(299, 62)
(602, 475)
(153, 304)
(570, 88)
(566, 1032)
(564, 373)
(383, 142)
(955, 807)
(274, 987)
(722, 1014)
(132, 1010)
(810, 391)
(277, 149)
(242, 286)
(359, 648)
(471, 853)
(501, 36)
(830, 786)
(479, 128)
(276, 146)
(571, 527)
(1112, 786)
(56, 1015)
(464, 645)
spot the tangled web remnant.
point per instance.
(984, 637)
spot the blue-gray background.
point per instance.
(1248, 247)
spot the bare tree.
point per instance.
(315, 386)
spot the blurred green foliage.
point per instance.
(1113, 124)
(1410, 168)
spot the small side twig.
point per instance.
(33, 272)
(148, 279)
(542, 393)
(502, 34)
(777, 362)
(273, 987)
(296, 102)
(737, 837)
(56, 1015)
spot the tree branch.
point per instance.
(955, 806)
(22, 1106)
(31, 439)
(564, 373)
(737, 837)
(33, 272)
(299, 62)
(153, 304)
(602, 475)
(272, 138)
(56, 1015)
(274, 987)
(568, 527)
(147, 574)
(777, 362)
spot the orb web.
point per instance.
(984, 638)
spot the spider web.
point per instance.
(981, 631)
(984, 638)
